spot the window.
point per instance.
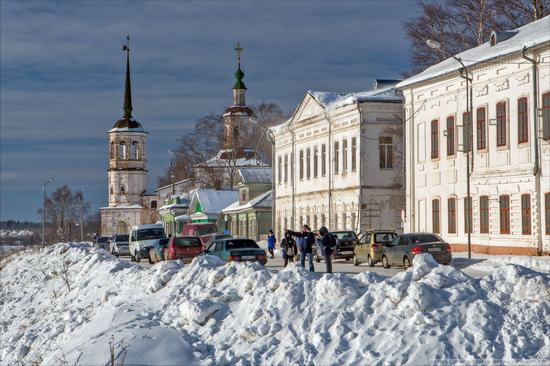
(481, 129)
(286, 168)
(153, 204)
(435, 139)
(386, 152)
(523, 128)
(467, 132)
(336, 157)
(122, 190)
(546, 116)
(280, 169)
(504, 205)
(291, 167)
(353, 154)
(468, 214)
(451, 215)
(122, 150)
(301, 164)
(344, 155)
(526, 214)
(134, 151)
(547, 212)
(501, 124)
(315, 162)
(435, 216)
(112, 150)
(484, 214)
(323, 160)
(308, 163)
(450, 136)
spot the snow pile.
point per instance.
(241, 313)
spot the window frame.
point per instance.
(468, 214)
(336, 154)
(315, 161)
(354, 154)
(344, 155)
(484, 214)
(504, 213)
(467, 126)
(308, 163)
(451, 216)
(436, 216)
(451, 149)
(547, 213)
(502, 124)
(280, 169)
(323, 160)
(434, 139)
(526, 214)
(481, 129)
(523, 120)
(286, 169)
(387, 147)
(301, 164)
(545, 120)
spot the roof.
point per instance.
(245, 157)
(123, 207)
(256, 174)
(262, 201)
(529, 35)
(214, 201)
(330, 100)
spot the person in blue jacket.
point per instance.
(306, 250)
(271, 240)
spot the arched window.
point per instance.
(153, 204)
(134, 152)
(111, 190)
(122, 153)
(122, 190)
(112, 150)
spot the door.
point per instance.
(363, 248)
(392, 251)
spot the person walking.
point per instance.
(288, 247)
(327, 242)
(271, 240)
(307, 245)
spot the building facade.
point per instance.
(509, 210)
(338, 162)
(129, 202)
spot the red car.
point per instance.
(201, 229)
(183, 247)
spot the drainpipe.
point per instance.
(536, 170)
(360, 162)
(412, 204)
(329, 170)
(293, 176)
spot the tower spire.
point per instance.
(239, 74)
(127, 107)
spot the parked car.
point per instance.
(119, 244)
(142, 238)
(216, 236)
(401, 251)
(237, 250)
(345, 242)
(157, 252)
(102, 242)
(201, 229)
(183, 247)
(370, 247)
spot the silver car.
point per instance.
(118, 244)
(402, 249)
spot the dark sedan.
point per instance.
(402, 249)
(345, 242)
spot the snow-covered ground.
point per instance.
(65, 304)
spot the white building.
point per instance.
(510, 164)
(129, 203)
(338, 161)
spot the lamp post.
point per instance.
(437, 46)
(80, 198)
(44, 209)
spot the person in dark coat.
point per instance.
(327, 242)
(288, 247)
(306, 249)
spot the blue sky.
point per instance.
(62, 75)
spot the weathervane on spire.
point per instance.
(126, 47)
(238, 49)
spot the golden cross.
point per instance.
(238, 49)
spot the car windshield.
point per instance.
(222, 236)
(187, 242)
(163, 242)
(102, 239)
(384, 237)
(205, 230)
(345, 235)
(420, 239)
(240, 244)
(147, 234)
(121, 237)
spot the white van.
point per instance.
(142, 238)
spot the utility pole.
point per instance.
(44, 210)
(80, 197)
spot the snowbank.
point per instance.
(68, 302)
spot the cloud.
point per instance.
(8, 175)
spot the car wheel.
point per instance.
(151, 261)
(132, 258)
(355, 261)
(347, 259)
(138, 258)
(385, 263)
(406, 263)
(370, 261)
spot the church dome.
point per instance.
(127, 122)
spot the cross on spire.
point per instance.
(238, 49)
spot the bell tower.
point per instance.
(127, 173)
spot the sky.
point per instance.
(62, 75)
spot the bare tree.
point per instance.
(462, 24)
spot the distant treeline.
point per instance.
(19, 225)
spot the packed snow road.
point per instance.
(75, 306)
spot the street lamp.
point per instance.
(44, 209)
(80, 198)
(437, 46)
(172, 176)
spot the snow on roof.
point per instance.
(184, 218)
(214, 201)
(330, 100)
(126, 129)
(279, 127)
(529, 35)
(256, 174)
(122, 207)
(262, 201)
(175, 205)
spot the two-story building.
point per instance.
(339, 161)
(509, 124)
